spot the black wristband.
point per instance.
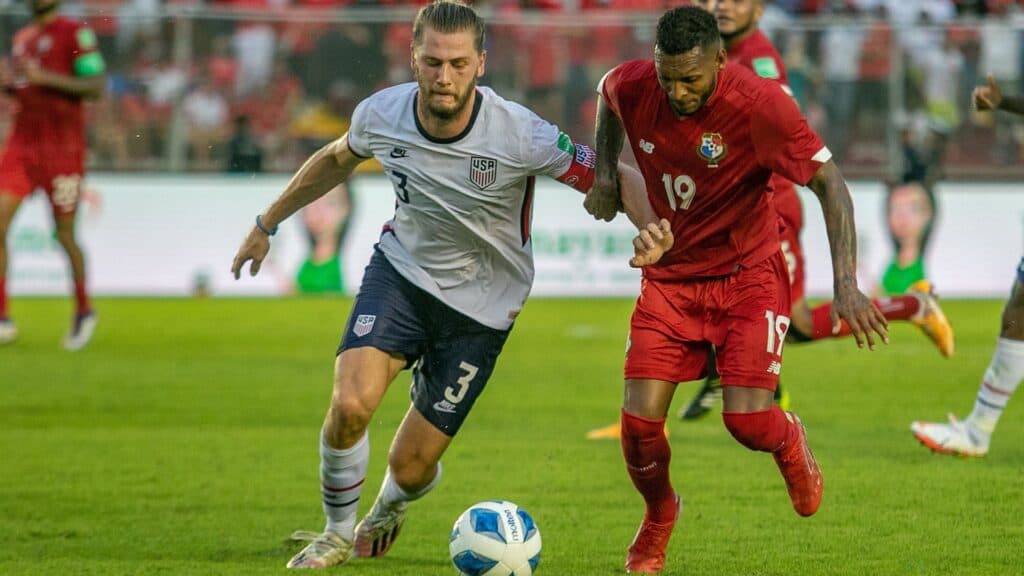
(264, 229)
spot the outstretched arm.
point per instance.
(990, 97)
(325, 169)
(603, 200)
(850, 303)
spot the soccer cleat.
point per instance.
(379, 529)
(957, 438)
(81, 331)
(8, 331)
(707, 397)
(801, 472)
(930, 318)
(646, 555)
(323, 550)
(611, 432)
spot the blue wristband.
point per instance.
(264, 229)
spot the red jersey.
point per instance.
(48, 121)
(709, 173)
(755, 52)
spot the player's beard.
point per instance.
(738, 32)
(447, 112)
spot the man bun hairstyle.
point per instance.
(685, 28)
(447, 17)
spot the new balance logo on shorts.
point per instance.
(444, 406)
(363, 324)
(775, 367)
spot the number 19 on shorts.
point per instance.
(778, 325)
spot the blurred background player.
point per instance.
(707, 138)
(428, 300)
(55, 64)
(971, 437)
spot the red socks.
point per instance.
(765, 431)
(647, 454)
(3, 297)
(82, 298)
(895, 308)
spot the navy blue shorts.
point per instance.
(1020, 271)
(452, 355)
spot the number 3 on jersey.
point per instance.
(680, 190)
(400, 190)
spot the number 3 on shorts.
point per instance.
(455, 396)
(778, 325)
(65, 191)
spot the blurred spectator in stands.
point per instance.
(244, 153)
(842, 43)
(206, 116)
(348, 52)
(136, 19)
(271, 111)
(872, 100)
(324, 122)
(943, 70)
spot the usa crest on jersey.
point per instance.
(483, 171)
(712, 148)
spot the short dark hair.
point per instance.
(448, 16)
(685, 28)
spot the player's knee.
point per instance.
(349, 415)
(750, 429)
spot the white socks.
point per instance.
(1002, 377)
(391, 494)
(342, 473)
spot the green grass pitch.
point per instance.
(184, 441)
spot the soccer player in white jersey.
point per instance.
(971, 437)
(452, 269)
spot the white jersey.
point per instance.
(461, 229)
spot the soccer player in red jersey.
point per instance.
(707, 138)
(54, 66)
(746, 45)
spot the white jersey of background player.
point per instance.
(451, 271)
(463, 208)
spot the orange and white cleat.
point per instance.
(646, 555)
(958, 438)
(930, 318)
(803, 477)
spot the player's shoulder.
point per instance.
(388, 103)
(66, 24)
(745, 87)
(633, 72)
(504, 113)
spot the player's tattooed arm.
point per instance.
(604, 201)
(850, 304)
(324, 170)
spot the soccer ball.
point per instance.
(495, 538)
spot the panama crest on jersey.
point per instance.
(712, 148)
(483, 171)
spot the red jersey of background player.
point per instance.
(755, 52)
(709, 173)
(49, 123)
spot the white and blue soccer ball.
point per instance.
(495, 538)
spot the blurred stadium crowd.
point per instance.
(256, 85)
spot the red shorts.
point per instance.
(60, 176)
(744, 315)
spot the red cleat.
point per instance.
(646, 554)
(801, 472)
